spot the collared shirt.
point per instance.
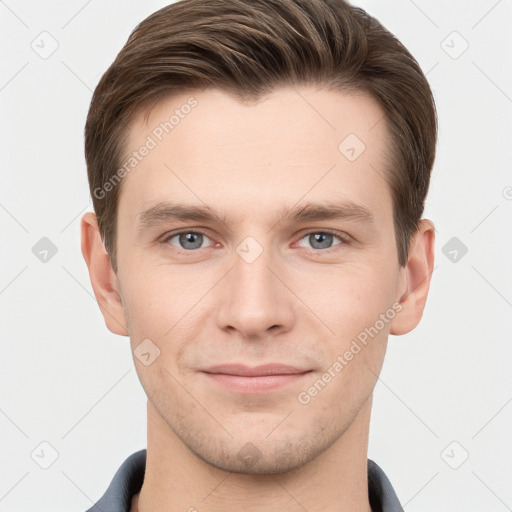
(129, 477)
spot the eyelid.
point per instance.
(177, 232)
(344, 237)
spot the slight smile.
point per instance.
(245, 379)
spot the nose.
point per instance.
(254, 299)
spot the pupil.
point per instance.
(321, 239)
(191, 240)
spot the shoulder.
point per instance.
(126, 483)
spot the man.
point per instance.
(259, 170)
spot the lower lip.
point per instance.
(255, 384)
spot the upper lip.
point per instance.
(255, 371)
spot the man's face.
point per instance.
(256, 286)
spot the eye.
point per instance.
(187, 240)
(322, 240)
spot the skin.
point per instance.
(300, 302)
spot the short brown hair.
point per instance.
(247, 48)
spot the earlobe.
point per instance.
(416, 275)
(103, 278)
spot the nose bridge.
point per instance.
(254, 297)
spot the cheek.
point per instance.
(349, 299)
(356, 305)
(165, 309)
(154, 298)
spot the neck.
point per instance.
(177, 480)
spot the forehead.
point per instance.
(207, 147)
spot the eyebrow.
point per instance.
(167, 211)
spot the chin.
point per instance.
(263, 453)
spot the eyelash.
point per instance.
(342, 236)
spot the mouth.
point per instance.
(256, 379)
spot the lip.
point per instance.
(267, 377)
(255, 371)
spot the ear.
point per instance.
(103, 278)
(416, 279)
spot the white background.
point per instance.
(66, 380)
